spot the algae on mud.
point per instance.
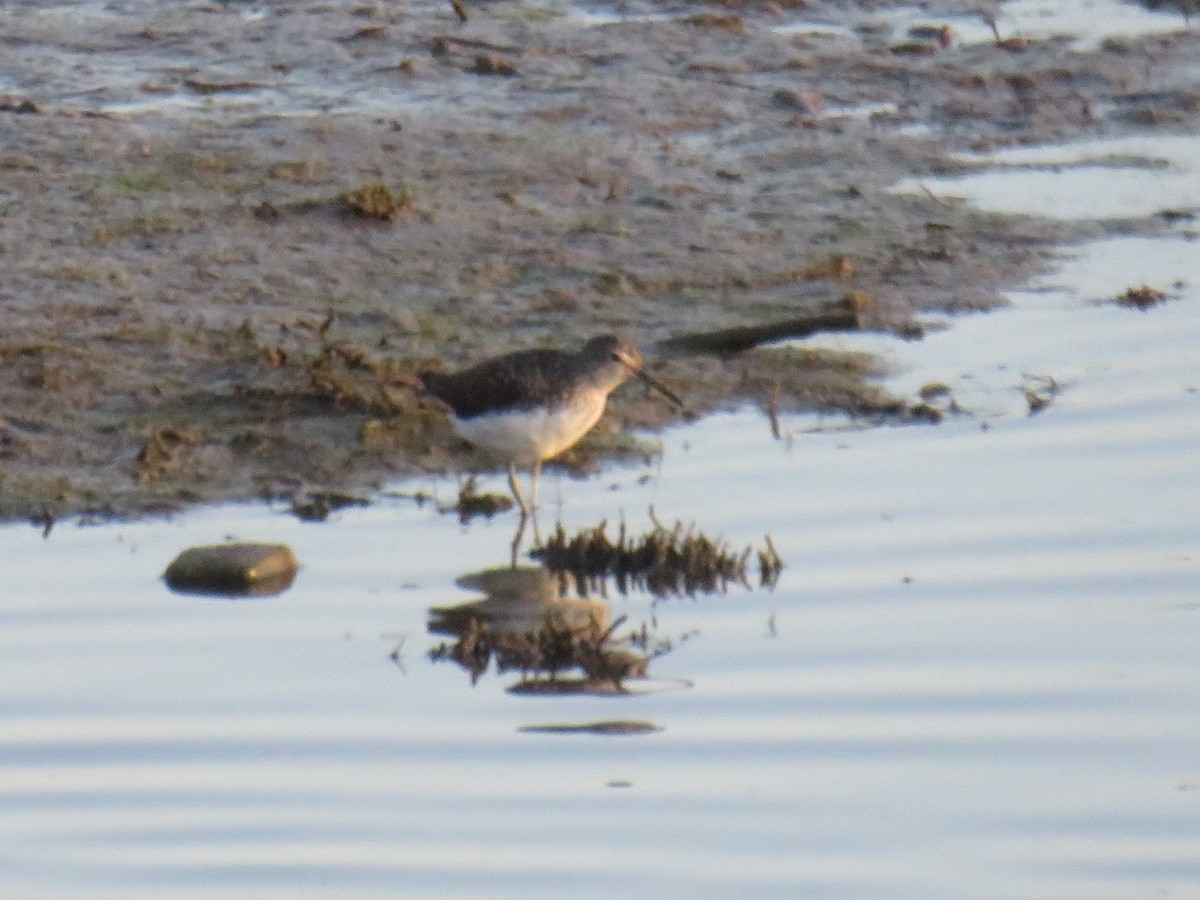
(189, 314)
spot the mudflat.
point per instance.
(231, 234)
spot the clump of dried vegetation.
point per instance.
(378, 201)
(677, 561)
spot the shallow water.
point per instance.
(978, 677)
(1128, 177)
(1085, 23)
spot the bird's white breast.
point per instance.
(524, 436)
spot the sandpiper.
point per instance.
(531, 405)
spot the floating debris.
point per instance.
(666, 562)
(1040, 392)
(233, 570)
(1141, 297)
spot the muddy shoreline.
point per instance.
(193, 311)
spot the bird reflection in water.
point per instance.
(528, 623)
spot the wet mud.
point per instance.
(230, 234)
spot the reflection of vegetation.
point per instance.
(552, 648)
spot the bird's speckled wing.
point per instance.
(516, 381)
